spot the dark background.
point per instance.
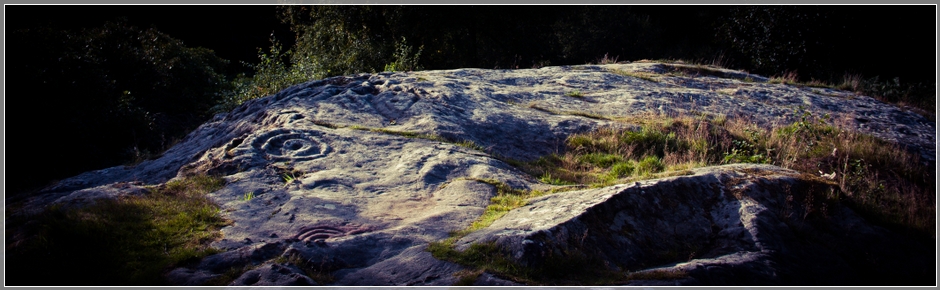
(885, 40)
(47, 140)
(234, 32)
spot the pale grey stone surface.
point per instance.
(365, 203)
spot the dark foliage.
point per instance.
(101, 97)
(343, 40)
(777, 39)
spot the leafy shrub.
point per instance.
(342, 40)
(273, 73)
(404, 61)
(918, 95)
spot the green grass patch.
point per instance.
(622, 169)
(248, 196)
(486, 257)
(470, 145)
(603, 160)
(125, 241)
(480, 257)
(650, 165)
(506, 199)
(548, 179)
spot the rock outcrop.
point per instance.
(722, 225)
(359, 173)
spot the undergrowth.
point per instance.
(129, 240)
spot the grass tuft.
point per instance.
(574, 94)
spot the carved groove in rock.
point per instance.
(282, 144)
(319, 233)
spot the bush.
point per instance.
(404, 61)
(273, 73)
(918, 95)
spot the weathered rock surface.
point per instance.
(365, 204)
(723, 225)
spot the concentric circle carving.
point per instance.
(283, 144)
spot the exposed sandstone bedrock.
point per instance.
(366, 203)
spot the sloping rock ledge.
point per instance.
(724, 225)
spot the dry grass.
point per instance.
(789, 78)
(851, 82)
(607, 60)
(609, 155)
(884, 183)
(880, 179)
